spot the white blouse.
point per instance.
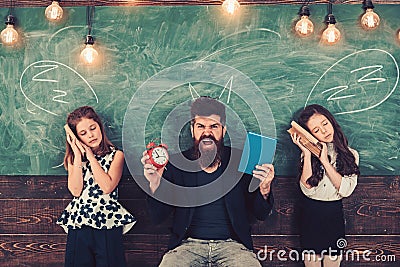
(325, 190)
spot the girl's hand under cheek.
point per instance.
(296, 140)
(89, 152)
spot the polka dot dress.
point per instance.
(92, 207)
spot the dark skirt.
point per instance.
(91, 247)
(321, 226)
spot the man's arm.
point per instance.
(158, 211)
(262, 207)
(261, 200)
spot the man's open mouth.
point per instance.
(207, 141)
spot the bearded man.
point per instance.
(217, 233)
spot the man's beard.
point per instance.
(208, 157)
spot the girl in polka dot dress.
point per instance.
(94, 220)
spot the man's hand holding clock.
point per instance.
(154, 160)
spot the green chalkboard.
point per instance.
(155, 59)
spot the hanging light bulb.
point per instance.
(89, 54)
(9, 36)
(230, 6)
(54, 12)
(330, 35)
(370, 20)
(304, 27)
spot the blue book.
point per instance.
(257, 150)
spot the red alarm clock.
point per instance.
(158, 154)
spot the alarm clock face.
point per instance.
(160, 155)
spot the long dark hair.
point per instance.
(345, 161)
(72, 120)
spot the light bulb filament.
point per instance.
(54, 13)
(8, 36)
(304, 27)
(331, 36)
(370, 21)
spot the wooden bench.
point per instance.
(30, 206)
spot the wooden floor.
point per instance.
(30, 205)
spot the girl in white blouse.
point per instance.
(324, 181)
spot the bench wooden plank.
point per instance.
(363, 216)
(55, 187)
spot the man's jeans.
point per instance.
(198, 252)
